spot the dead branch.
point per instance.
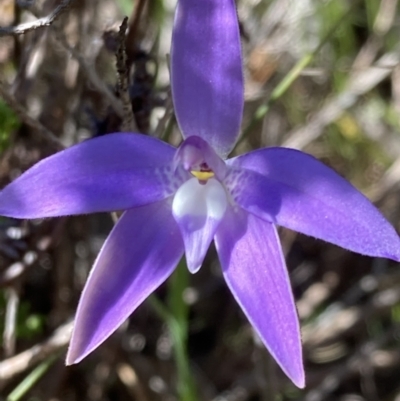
(353, 364)
(38, 23)
(163, 121)
(359, 83)
(25, 360)
(22, 113)
(9, 333)
(133, 28)
(128, 122)
(91, 74)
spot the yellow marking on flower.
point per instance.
(202, 175)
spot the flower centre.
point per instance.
(203, 174)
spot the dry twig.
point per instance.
(359, 83)
(23, 361)
(353, 364)
(9, 337)
(26, 118)
(38, 23)
(163, 121)
(133, 28)
(128, 122)
(91, 74)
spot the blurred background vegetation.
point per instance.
(322, 76)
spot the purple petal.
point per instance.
(254, 269)
(297, 191)
(207, 76)
(198, 209)
(112, 172)
(140, 253)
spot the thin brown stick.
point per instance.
(128, 122)
(133, 28)
(91, 74)
(25, 360)
(360, 82)
(9, 336)
(353, 364)
(22, 113)
(39, 23)
(163, 121)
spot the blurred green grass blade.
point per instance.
(292, 75)
(157, 11)
(126, 6)
(29, 381)
(8, 123)
(176, 286)
(372, 7)
(176, 316)
(280, 89)
(179, 330)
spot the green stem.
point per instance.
(176, 317)
(29, 381)
(289, 78)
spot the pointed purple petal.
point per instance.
(254, 269)
(297, 191)
(141, 252)
(207, 76)
(198, 210)
(112, 172)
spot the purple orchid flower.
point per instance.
(181, 199)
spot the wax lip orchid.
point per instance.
(179, 200)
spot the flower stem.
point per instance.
(176, 317)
